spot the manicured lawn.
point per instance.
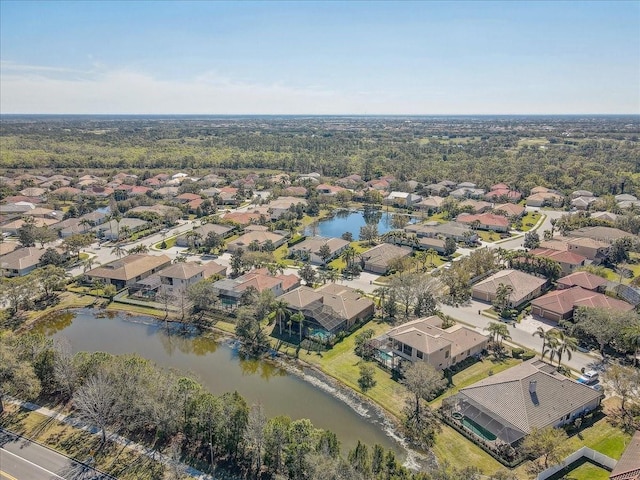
(475, 373)
(339, 264)
(343, 364)
(588, 471)
(458, 451)
(529, 220)
(169, 241)
(488, 236)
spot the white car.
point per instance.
(588, 377)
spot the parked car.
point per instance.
(589, 377)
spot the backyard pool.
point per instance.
(477, 429)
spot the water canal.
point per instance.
(351, 221)
(216, 364)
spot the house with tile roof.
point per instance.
(510, 210)
(309, 249)
(128, 270)
(21, 261)
(569, 261)
(256, 237)
(524, 287)
(402, 199)
(230, 290)
(430, 204)
(485, 221)
(328, 309)
(424, 340)
(202, 232)
(532, 395)
(586, 280)
(602, 234)
(628, 467)
(561, 304)
(545, 199)
(378, 259)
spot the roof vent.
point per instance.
(532, 386)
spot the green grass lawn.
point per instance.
(588, 471)
(169, 241)
(488, 236)
(339, 263)
(529, 220)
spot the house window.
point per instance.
(419, 354)
(446, 354)
(407, 350)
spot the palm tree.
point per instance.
(118, 251)
(565, 344)
(631, 335)
(545, 336)
(142, 248)
(299, 318)
(348, 255)
(499, 331)
(279, 308)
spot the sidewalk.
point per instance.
(125, 442)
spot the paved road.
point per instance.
(21, 459)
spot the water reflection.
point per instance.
(55, 322)
(220, 368)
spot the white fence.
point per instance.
(596, 457)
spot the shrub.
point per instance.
(517, 352)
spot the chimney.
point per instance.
(532, 387)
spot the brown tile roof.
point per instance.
(182, 270)
(507, 395)
(564, 301)
(511, 209)
(212, 268)
(628, 467)
(257, 236)
(425, 335)
(583, 279)
(522, 283)
(129, 267)
(21, 258)
(385, 252)
(242, 218)
(487, 219)
(561, 256)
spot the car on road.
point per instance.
(589, 377)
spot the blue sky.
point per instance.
(509, 57)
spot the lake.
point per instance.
(217, 366)
(350, 221)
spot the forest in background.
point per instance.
(599, 153)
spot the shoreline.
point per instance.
(309, 373)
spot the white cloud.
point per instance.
(33, 89)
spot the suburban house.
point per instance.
(467, 192)
(242, 218)
(113, 229)
(512, 210)
(180, 276)
(402, 199)
(378, 258)
(329, 309)
(544, 199)
(582, 203)
(485, 221)
(628, 467)
(524, 287)
(202, 232)
(309, 249)
(424, 340)
(602, 234)
(585, 280)
(21, 261)
(475, 206)
(326, 190)
(501, 192)
(281, 205)
(560, 304)
(569, 261)
(455, 230)
(230, 290)
(532, 395)
(587, 247)
(128, 270)
(430, 204)
(261, 239)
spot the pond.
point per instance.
(351, 220)
(218, 367)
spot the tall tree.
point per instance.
(98, 403)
